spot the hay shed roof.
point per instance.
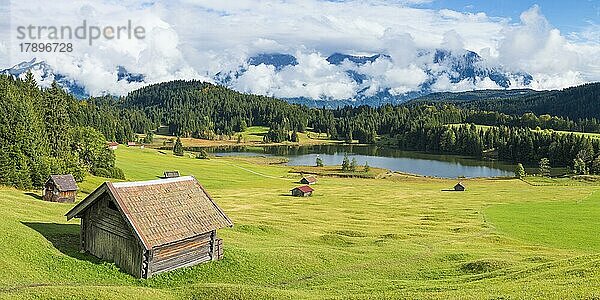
(162, 211)
(64, 183)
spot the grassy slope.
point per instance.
(251, 136)
(355, 238)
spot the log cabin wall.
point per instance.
(63, 197)
(106, 236)
(184, 253)
(66, 197)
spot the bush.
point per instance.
(202, 154)
(111, 172)
(101, 172)
(116, 173)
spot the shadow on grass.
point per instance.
(64, 237)
(34, 195)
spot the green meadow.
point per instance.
(355, 238)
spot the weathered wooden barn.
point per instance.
(151, 227)
(308, 180)
(60, 188)
(460, 187)
(302, 191)
(170, 174)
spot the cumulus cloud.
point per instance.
(535, 46)
(313, 77)
(196, 39)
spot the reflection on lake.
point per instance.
(445, 166)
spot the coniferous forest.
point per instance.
(47, 131)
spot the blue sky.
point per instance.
(567, 16)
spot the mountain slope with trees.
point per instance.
(578, 102)
(48, 131)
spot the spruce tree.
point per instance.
(353, 165)
(319, 162)
(519, 171)
(544, 167)
(346, 163)
(178, 148)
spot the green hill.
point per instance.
(578, 102)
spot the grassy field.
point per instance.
(398, 237)
(251, 136)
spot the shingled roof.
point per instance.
(64, 183)
(304, 189)
(161, 211)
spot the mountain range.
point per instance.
(456, 67)
(46, 74)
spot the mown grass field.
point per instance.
(398, 237)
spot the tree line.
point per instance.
(47, 131)
(44, 132)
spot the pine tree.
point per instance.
(353, 165)
(178, 147)
(580, 167)
(294, 138)
(596, 166)
(346, 163)
(319, 162)
(519, 171)
(544, 167)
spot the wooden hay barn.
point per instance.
(60, 188)
(308, 180)
(112, 145)
(151, 227)
(170, 174)
(302, 191)
(460, 187)
(131, 144)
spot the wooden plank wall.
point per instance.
(108, 237)
(183, 254)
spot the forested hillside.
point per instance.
(48, 131)
(202, 110)
(579, 102)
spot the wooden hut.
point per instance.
(170, 174)
(60, 188)
(151, 227)
(131, 144)
(302, 191)
(112, 145)
(308, 180)
(460, 187)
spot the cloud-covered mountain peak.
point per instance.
(372, 79)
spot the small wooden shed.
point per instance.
(302, 191)
(308, 180)
(460, 187)
(170, 174)
(60, 188)
(112, 145)
(131, 144)
(151, 227)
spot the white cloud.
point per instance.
(195, 39)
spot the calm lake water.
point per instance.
(444, 166)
